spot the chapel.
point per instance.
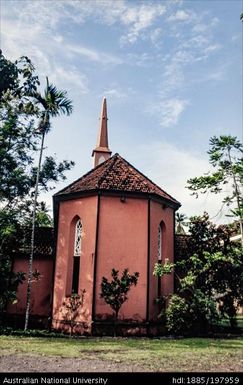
(111, 217)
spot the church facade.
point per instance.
(112, 217)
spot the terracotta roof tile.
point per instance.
(115, 174)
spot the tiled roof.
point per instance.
(116, 174)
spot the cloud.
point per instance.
(215, 21)
(71, 77)
(94, 55)
(134, 17)
(212, 48)
(156, 36)
(168, 111)
(170, 167)
(114, 93)
(218, 74)
(171, 110)
(141, 60)
(180, 15)
(139, 18)
(44, 56)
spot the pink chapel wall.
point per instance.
(41, 289)
(86, 209)
(123, 244)
(160, 214)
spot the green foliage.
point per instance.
(209, 279)
(225, 155)
(20, 114)
(52, 104)
(207, 237)
(115, 292)
(180, 221)
(177, 315)
(9, 331)
(191, 314)
(9, 280)
(8, 75)
(162, 269)
(17, 80)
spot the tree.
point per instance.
(206, 236)
(115, 292)
(225, 155)
(53, 103)
(19, 138)
(9, 280)
(218, 278)
(209, 278)
(19, 142)
(8, 75)
(180, 222)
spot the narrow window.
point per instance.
(77, 240)
(76, 257)
(159, 254)
(159, 244)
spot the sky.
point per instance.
(171, 72)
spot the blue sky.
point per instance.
(171, 72)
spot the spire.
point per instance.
(102, 151)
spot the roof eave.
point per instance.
(79, 194)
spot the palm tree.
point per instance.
(53, 103)
(180, 222)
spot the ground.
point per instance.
(27, 363)
(27, 354)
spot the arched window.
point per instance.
(78, 239)
(76, 256)
(160, 250)
(159, 253)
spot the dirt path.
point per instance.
(27, 363)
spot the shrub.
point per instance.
(177, 315)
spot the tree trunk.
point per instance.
(237, 193)
(115, 323)
(30, 272)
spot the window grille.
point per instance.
(78, 239)
(159, 254)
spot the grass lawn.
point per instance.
(189, 354)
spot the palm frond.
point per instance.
(57, 101)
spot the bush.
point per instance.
(192, 314)
(177, 315)
(9, 331)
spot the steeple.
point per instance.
(102, 151)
